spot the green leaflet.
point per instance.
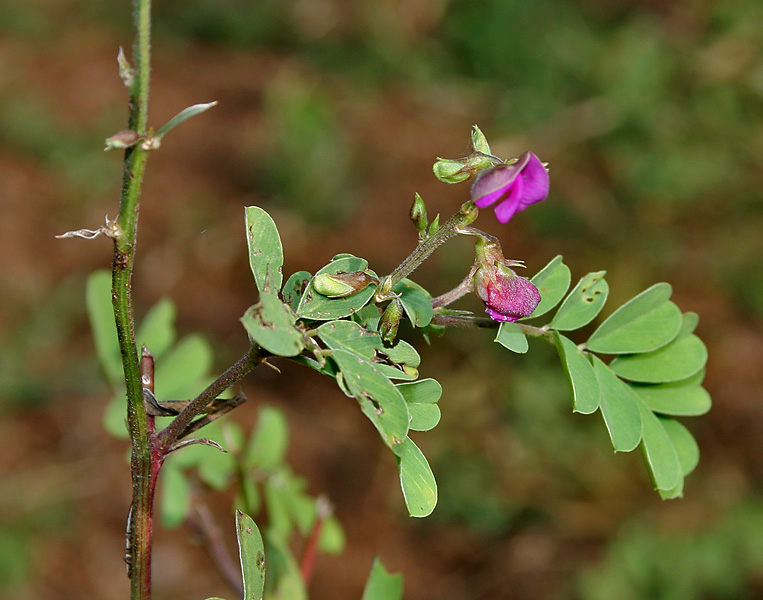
(251, 551)
(157, 331)
(265, 250)
(416, 479)
(294, 287)
(684, 443)
(268, 443)
(618, 407)
(379, 399)
(180, 371)
(382, 585)
(101, 315)
(416, 301)
(422, 397)
(682, 358)
(583, 303)
(271, 324)
(317, 307)
(580, 374)
(510, 336)
(686, 398)
(659, 452)
(397, 362)
(552, 282)
(643, 324)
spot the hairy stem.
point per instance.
(168, 436)
(424, 250)
(144, 467)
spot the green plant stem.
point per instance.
(425, 248)
(171, 434)
(144, 466)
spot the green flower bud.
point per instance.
(479, 141)
(340, 285)
(419, 215)
(449, 170)
(390, 320)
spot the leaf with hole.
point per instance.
(251, 550)
(378, 397)
(580, 374)
(271, 324)
(294, 288)
(645, 323)
(265, 250)
(398, 362)
(583, 303)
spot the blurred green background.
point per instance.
(330, 115)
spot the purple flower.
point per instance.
(514, 187)
(506, 295)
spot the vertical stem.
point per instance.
(144, 466)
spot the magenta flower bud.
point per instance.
(506, 295)
(514, 187)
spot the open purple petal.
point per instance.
(507, 208)
(535, 180)
(492, 184)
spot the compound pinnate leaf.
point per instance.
(552, 282)
(510, 336)
(684, 443)
(682, 358)
(580, 374)
(686, 398)
(378, 397)
(416, 479)
(416, 301)
(422, 397)
(251, 551)
(618, 407)
(659, 452)
(318, 307)
(382, 585)
(643, 324)
(265, 250)
(583, 303)
(271, 324)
